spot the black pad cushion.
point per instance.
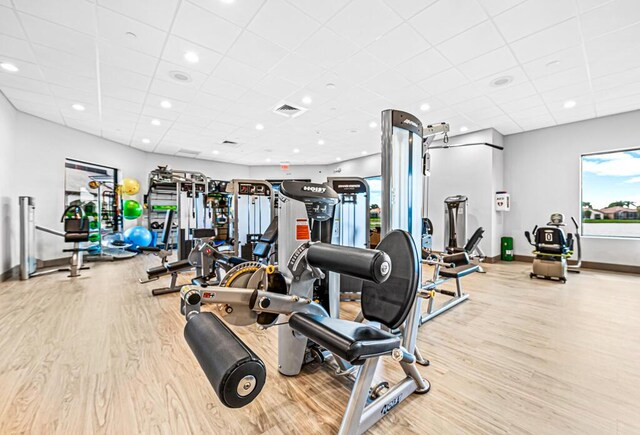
(271, 233)
(389, 303)
(168, 222)
(459, 271)
(178, 265)
(474, 241)
(261, 249)
(149, 249)
(352, 341)
(457, 259)
(157, 271)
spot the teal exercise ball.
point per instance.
(138, 236)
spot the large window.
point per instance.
(611, 194)
(375, 201)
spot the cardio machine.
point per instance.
(552, 249)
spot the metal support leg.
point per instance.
(355, 407)
(173, 288)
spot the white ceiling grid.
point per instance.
(255, 54)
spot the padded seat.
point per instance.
(459, 272)
(178, 265)
(352, 341)
(149, 249)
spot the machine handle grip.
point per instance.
(236, 374)
(367, 264)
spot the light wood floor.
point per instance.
(101, 355)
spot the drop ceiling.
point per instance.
(344, 61)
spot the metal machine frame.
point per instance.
(238, 187)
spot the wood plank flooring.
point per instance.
(99, 354)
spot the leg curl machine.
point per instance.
(255, 293)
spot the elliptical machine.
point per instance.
(552, 249)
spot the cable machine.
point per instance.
(350, 228)
(251, 213)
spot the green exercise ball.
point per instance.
(95, 237)
(94, 225)
(132, 209)
(89, 208)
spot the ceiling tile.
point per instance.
(116, 29)
(202, 27)
(76, 95)
(48, 57)
(297, 70)
(393, 47)
(157, 13)
(408, 8)
(326, 48)
(223, 88)
(239, 13)
(295, 29)
(362, 21)
(451, 17)
(14, 49)
(444, 81)
(276, 87)
(76, 14)
(532, 16)
(472, 43)
(176, 48)
(386, 83)
(610, 17)
(319, 10)
(512, 93)
(556, 38)
(124, 78)
(614, 52)
(237, 72)
(63, 78)
(123, 93)
(585, 5)
(31, 97)
(124, 58)
(555, 63)
(428, 63)
(174, 91)
(459, 94)
(256, 51)
(626, 77)
(10, 24)
(617, 105)
(209, 102)
(26, 84)
(130, 108)
(562, 79)
(522, 104)
(494, 7)
(359, 68)
(490, 64)
(58, 37)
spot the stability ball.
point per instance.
(130, 186)
(132, 209)
(138, 236)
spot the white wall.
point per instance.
(542, 173)
(315, 173)
(7, 202)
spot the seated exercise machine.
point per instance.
(456, 229)
(166, 250)
(553, 248)
(76, 231)
(254, 293)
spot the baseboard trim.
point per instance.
(10, 274)
(14, 272)
(611, 267)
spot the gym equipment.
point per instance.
(427, 237)
(131, 209)
(130, 186)
(76, 231)
(350, 227)
(449, 266)
(455, 221)
(260, 295)
(165, 240)
(138, 236)
(186, 193)
(252, 212)
(553, 248)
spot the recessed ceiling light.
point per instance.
(464, 128)
(307, 100)
(165, 104)
(364, 153)
(191, 57)
(259, 127)
(78, 107)
(552, 63)
(501, 81)
(373, 124)
(569, 104)
(180, 76)
(320, 142)
(9, 67)
(267, 160)
(424, 107)
(296, 150)
(216, 152)
(338, 159)
(145, 140)
(331, 85)
(156, 122)
(131, 35)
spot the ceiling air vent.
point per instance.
(186, 152)
(289, 110)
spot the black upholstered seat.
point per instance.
(459, 272)
(352, 341)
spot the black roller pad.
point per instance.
(225, 359)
